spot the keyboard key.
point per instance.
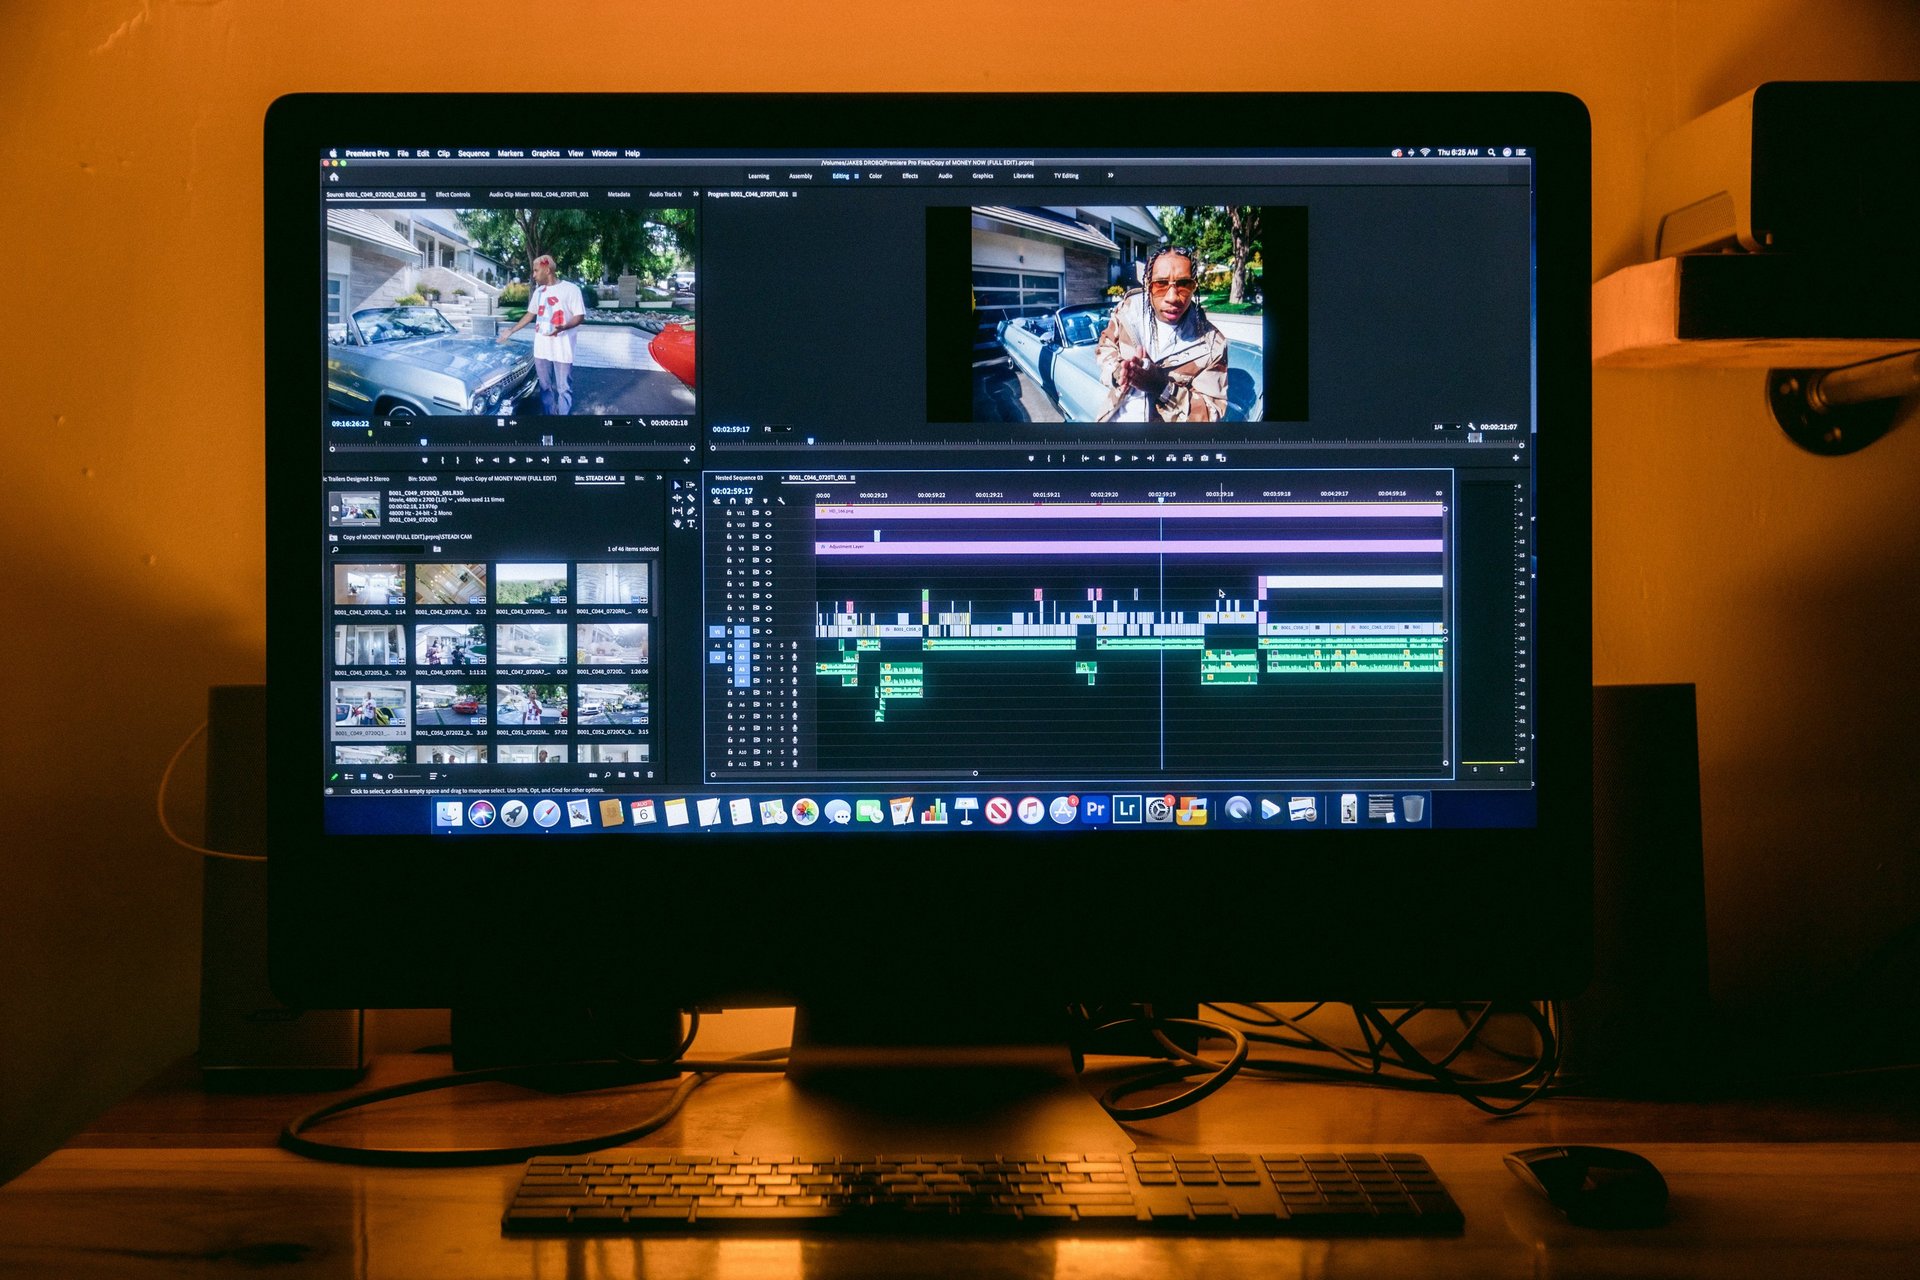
(1088, 1197)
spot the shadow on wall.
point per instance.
(99, 930)
(1810, 784)
(1757, 40)
(1780, 584)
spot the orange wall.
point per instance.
(129, 154)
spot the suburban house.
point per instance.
(1034, 259)
(377, 255)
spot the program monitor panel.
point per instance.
(683, 492)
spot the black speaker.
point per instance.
(1641, 1025)
(248, 1039)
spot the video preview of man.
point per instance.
(1135, 314)
(510, 311)
(1165, 360)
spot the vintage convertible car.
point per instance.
(1056, 351)
(400, 362)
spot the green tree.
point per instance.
(1227, 235)
(1198, 227)
(591, 244)
(517, 236)
(673, 233)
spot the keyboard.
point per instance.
(677, 1193)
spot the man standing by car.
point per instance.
(1163, 359)
(554, 310)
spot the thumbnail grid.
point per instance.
(447, 663)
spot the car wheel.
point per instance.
(399, 410)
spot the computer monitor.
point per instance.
(932, 551)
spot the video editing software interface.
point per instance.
(673, 493)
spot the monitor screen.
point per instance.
(696, 489)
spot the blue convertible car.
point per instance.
(1056, 351)
(402, 362)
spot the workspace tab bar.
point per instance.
(864, 175)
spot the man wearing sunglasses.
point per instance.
(1163, 359)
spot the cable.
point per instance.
(686, 1043)
(1471, 1091)
(1307, 1040)
(1389, 1059)
(1187, 1063)
(160, 807)
(1387, 1056)
(294, 1138)
(1394, 1061)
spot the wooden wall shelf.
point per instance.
(1753, 311)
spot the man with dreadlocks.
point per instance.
(1162, 358)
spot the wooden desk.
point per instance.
(175, 1182)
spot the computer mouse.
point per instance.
(1595, 1186)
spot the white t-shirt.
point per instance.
(551, 305)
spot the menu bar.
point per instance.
(371, 181)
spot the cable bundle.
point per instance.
(1432, 1046)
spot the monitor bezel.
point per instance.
(415, 921)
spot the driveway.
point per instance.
(615, 376)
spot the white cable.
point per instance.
(160, 807)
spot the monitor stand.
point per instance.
(882, 1079)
